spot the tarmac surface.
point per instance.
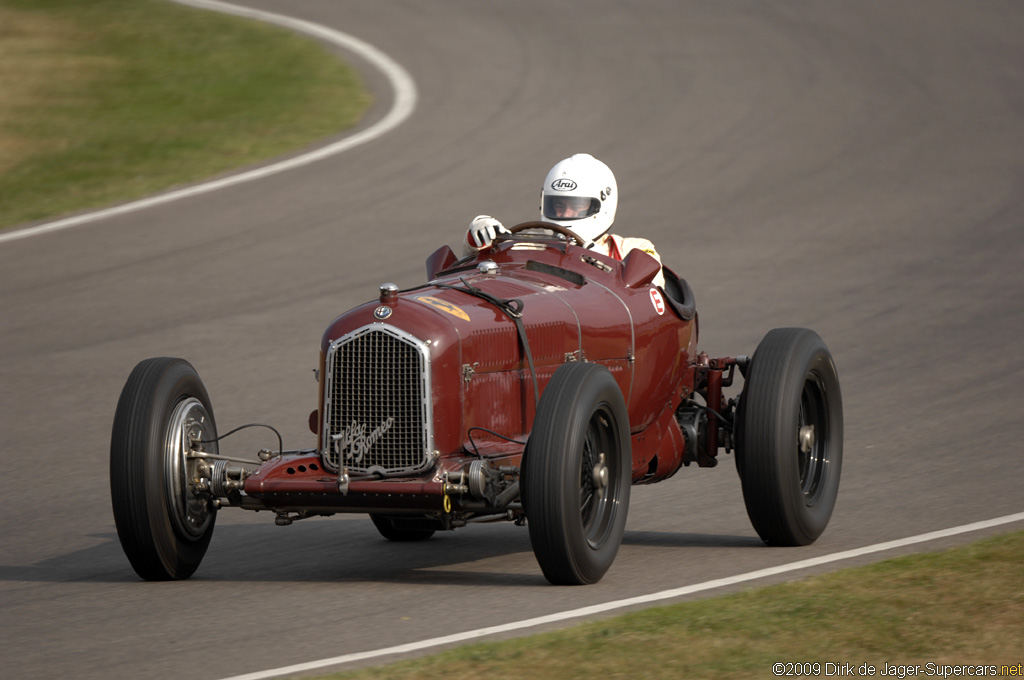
(856, 168)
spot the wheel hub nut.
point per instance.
(806, 438)
(600, 473)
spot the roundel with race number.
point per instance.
(658, 301)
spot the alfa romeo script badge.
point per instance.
(354, 441)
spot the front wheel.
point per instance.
(789, 449)
(576, 475)
(163, 525)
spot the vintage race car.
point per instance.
(534, 382)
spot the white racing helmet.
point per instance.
(580, 193)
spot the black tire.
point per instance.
(403, 529)
(163, 527)
(576, 524)
(789, 451)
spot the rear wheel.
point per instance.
(163, 526)
(790, 437)
(403, 529)
(576, 475)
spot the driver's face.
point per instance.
(570, 207)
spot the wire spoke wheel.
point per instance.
(164, 526)
(812, 440)
(790, 437)
(191, 514)
(597, 509)
(576, 475)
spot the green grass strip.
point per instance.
(959, 607)
(103, 101)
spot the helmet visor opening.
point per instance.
(570, 207)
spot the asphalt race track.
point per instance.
(857, 168)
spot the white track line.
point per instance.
(402, 108)
(629, 602)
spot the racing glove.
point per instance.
(482, 231)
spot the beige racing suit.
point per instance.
(618, 246)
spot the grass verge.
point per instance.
(102, 101)
(959, 607)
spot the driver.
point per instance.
(579, 193)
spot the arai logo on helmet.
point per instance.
(563, 184)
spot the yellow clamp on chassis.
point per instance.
(447, 503)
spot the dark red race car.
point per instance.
(535, 382)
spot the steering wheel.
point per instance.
(550, 226)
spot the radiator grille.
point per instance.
(377, 403)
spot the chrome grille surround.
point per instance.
(377, 403)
